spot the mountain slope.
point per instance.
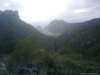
(83, 39)
(79, 41)
(12, 30)
(86, 30)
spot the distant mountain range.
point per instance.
(78, 36)
(60, 26)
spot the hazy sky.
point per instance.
(47, 10)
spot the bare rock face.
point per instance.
(9, 14)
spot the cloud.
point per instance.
(9, 4)
(85, 10)
(80, 11)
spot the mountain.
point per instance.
(82, 38)
(61, 26)
(67, 48)
(77, 41)
(57, 27)
(12, 30)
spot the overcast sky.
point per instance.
(47, 10)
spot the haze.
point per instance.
(37, 11)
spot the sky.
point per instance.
(43, 11)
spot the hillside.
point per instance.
(85, 38)
(80, 33)
(79, 41)
(23, 49)
(12, 30)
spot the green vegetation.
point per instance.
(75, 51)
